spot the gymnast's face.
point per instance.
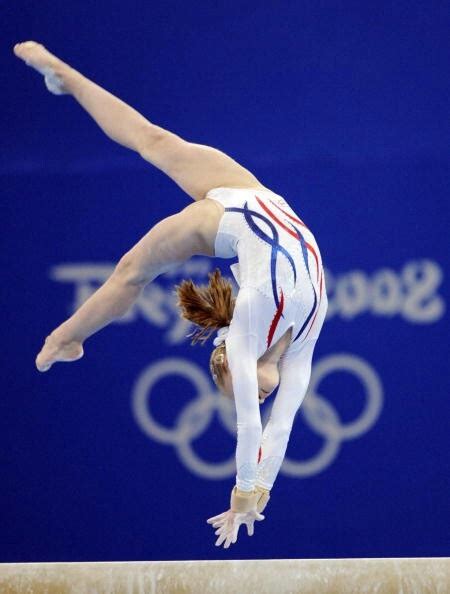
(268, 380)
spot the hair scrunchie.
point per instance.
(221, 336)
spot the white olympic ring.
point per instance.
(323, 418)
(193, 419)
(197, 415)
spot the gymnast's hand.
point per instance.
(55, 350)
(228, 524)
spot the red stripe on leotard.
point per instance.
(276, 319)
(290, 231)
(295, 219)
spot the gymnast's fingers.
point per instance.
(216, 518)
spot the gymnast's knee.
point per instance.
(129, 271)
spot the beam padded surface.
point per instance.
(280, 576)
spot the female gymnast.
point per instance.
(267, 334)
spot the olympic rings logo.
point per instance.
(197, 415)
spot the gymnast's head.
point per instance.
(211, 308)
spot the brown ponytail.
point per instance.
(209, 307)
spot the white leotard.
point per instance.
(281, 285)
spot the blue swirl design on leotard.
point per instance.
(273, 241)
(304, 248)
(305, 257)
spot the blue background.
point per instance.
(342, 108)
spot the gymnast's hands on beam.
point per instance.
(229, 522)
(245, 508)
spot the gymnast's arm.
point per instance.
(295, 373)
(242, 355)
(242, 363)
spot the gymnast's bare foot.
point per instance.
(38, 57)
(54, 351)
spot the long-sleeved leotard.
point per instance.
(281, 285)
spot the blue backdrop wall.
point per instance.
(343, 109)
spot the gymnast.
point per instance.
(266, 334)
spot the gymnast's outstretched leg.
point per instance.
(194, 167)
(172, 241)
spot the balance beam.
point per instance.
(279, 576)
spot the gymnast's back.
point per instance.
(279, 263)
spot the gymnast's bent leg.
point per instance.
(172, 241)
(195, 168)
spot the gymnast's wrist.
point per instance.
(263, 498)
(243, 501)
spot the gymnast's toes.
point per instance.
(23, 49)
(36, 55)
(52, 68)
(54, 351)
